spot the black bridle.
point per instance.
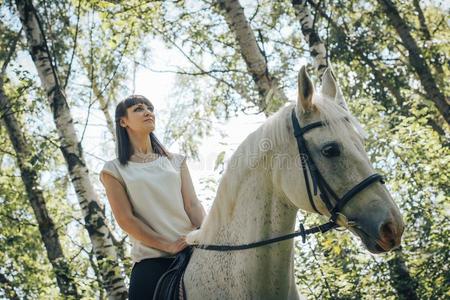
(319, 185)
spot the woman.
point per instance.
(151, 195)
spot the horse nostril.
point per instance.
(387, 228)
(388, 233)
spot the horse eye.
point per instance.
(331, 150)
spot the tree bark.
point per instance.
(95, 221)
(417, 60)
(427, 36)
(316, 46)
(30, 179)
(423, 24)
(401, 279)
(271, 97)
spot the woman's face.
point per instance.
(140, 118)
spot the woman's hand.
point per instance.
(177, 246)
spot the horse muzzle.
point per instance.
(383, 238)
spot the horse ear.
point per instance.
(331, 88)
(340, 99)
(329, 84)
(305, 90)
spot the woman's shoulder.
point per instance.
(176, 159)
(111, 167)
(112, 163)
(175, 155)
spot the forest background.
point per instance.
(215, 70)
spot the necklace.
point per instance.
(144, 157)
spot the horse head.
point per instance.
(342, 182)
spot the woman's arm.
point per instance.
(124, 216)
(192, 205)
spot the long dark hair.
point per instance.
(124, 149)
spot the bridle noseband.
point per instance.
(319, 185)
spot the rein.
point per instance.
(319, 185)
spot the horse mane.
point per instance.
(272, 133)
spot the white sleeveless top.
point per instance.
(154, 190)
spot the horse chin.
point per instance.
(373, 245)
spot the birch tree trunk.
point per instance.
(30, 179)
(417, 60)
(95, 221)
(316, 46)
(271, 97)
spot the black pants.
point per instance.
(145, 275)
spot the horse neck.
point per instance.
(257, 213)
(247, 208)
(260, 213)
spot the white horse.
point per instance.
(263, 187)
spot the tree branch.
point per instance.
(417, 60)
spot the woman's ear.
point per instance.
(122, 123)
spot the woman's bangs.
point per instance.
(133, 100)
